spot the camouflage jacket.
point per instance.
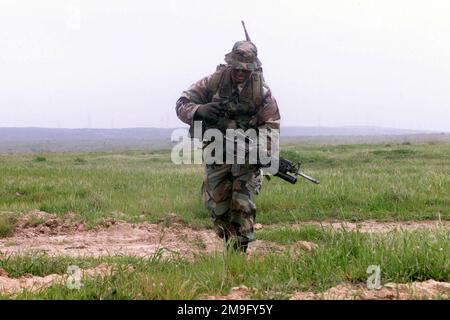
(267, 115)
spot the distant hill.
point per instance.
(16, 140)
(49, 134)
(346, 131)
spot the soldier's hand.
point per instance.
(210, 112)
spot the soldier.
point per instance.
(228, 189)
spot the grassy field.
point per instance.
(358, 182)
(384, 182)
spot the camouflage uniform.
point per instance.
(227, 192)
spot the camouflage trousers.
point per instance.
(228, 194)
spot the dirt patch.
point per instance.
(119, 238)
(3, 273)
(417, 290)
(264, 247)
(40, 222)
(429, 289)
(14, 286)
(261, 247)
(303, 245)
(43, 232)
(371, 226)
(258, 226)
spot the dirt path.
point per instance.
(429, 289)
(369, 226)
(120, 238)
(66, 237)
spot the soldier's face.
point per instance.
(240, 75)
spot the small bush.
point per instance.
(7, 224)
(80, 160)
(39, 159)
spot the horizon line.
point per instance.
(183, 127)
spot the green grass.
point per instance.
(402, 256)
(384, 182)
(7, 224)
(41, 264)
(340, 257)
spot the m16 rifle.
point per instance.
(290, 171)
(287, 170)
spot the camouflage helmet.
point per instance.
(244, 55)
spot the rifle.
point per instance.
(287, 170)
(287, 167)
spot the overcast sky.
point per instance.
(104, 64)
